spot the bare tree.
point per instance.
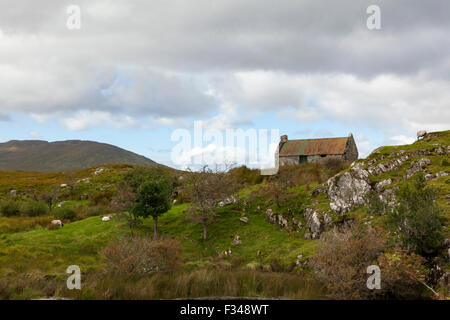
(205, 190)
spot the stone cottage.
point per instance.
(316, 150)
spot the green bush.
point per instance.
(65, 213)
(34, 208)
(10, 208)
(94, 211)
(445, 163)
(418, 218)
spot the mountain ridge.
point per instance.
(68, 155)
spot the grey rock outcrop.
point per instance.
(348, 190)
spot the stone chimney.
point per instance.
(283, 138)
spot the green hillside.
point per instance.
(272, 252)
(43, 156)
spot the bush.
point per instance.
(445, 163)
(417, 219)
(142, 255)
(342, 261)
(34, 208)
(10, 208)
(64, 213)
(94, 211)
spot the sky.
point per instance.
(136, 71)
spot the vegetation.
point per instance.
(214, 236)
(418, 218)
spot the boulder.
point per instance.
(379, 187)
(348, 190)
(417, 166)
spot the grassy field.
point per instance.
(51, 251)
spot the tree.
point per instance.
(123, 202)
(153, 199)
(205, 190)
(418, 219)
(50, 197)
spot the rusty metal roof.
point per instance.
(308, 147)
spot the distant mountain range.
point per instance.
(43, 156)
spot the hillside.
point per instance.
(43, 156)
(275, 244)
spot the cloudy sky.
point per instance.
(138, 69)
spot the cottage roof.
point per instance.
(308, 147)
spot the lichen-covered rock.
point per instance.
(417, 166)
(379, 187)
(316, 222)
(348, 190)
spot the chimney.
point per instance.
(283, 138)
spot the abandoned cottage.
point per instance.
(316, 150)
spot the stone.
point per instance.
(244, 219)
(308, 236)
(379, 187)
(348, 190)
(13, 193)
(417, 166)
(237, 240)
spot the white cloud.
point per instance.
(87, 119)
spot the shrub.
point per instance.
(342, 261)
(34, 208)
(445, 163)
(142, 255)
(101, 197)
(65, 213)
(417, 219)
(94, 211)
(374, 205)
(10, 208)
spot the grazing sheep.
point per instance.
(107, 218)
(57, 223)
(421, 134)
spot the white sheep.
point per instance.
(57, 223)
(107, 218)
(421, 134)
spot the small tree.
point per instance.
(123, 202)
(205, 190)
(153, 199)
(418, 218)
(50, 197)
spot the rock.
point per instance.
(348, 190)
(98, 171)
(381, 185)
(441, 174)
(297, 222)
(237, 240)
(271, 216)
(308, 236)
(417, 166)
(299, 257)
(244, 219)
(258, 253)
(321, 189)
(13, 193)
(63, 185)
(313, 222)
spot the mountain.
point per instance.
(43, 156)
